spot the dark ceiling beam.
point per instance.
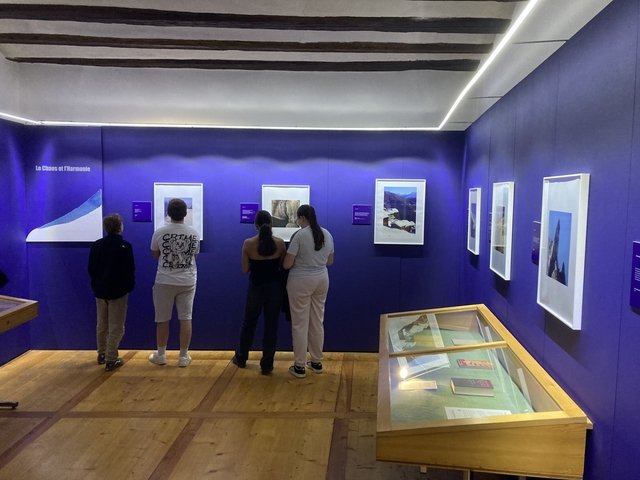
(168, 18)
(226, 45)
(462, 65)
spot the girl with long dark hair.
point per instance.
(262, 257)
(307, 259)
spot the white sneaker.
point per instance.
(184, 361)
(158, 359)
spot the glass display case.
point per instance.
(16, 311)
(457, 390)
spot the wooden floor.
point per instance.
(210, 420)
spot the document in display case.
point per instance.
(457, 390)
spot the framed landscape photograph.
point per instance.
(473, 220)
(191, 193)
(282, 201)
(501, 229)
(399, 212)
(563, 233)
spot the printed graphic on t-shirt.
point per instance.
(177, 250)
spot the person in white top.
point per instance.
(309, 254)
(175, 246)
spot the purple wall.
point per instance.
(341, 168)
(576, 113)
(13, 256)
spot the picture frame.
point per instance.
(563, 235)
(191, 193)
(501, 229)
(399, 211)
(473, 220)
(282, 202)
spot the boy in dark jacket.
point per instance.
(112, 269)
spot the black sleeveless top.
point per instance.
(264, 271)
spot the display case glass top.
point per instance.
(469, 383)
(424, 331)
(7, 304)
(475, 374)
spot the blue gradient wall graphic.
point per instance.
(64, 185)
(83, 223)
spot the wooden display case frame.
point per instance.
(548, 444)
(21, 312)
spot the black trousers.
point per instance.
(267, 298)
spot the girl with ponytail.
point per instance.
(262, 257)
(309, 255)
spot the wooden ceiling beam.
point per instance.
(169, 18)
(461, 65)
(229, 45)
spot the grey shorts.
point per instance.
(164, 297)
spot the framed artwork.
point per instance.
(501, 229)
(399, 212)
(563, 233)
(282, 201)
(191, 193)
(473, 220)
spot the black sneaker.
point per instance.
(315, 366)
(111, 366)
(238, 363)
(266, 370)
(101, 359)
(297, 372)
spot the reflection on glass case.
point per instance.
(456, 390)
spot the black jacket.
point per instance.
(111, 267)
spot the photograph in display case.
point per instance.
(399, 212)
(473, 220)
(563, 232)
(191, 193)
(501, 229)
(282, 201)
(416, 333)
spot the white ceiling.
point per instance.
(51, 67)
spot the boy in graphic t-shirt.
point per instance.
(175, 246)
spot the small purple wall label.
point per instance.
(361, 215)
(635, 276)
(535, 244)
(248, 212)
(141, 211)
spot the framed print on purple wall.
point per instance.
(282, 201)
(191, 193)
(563, 235)
(473, 220)
(501, 229)
(399, 212)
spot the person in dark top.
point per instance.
(262, 257)
(112, 272)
